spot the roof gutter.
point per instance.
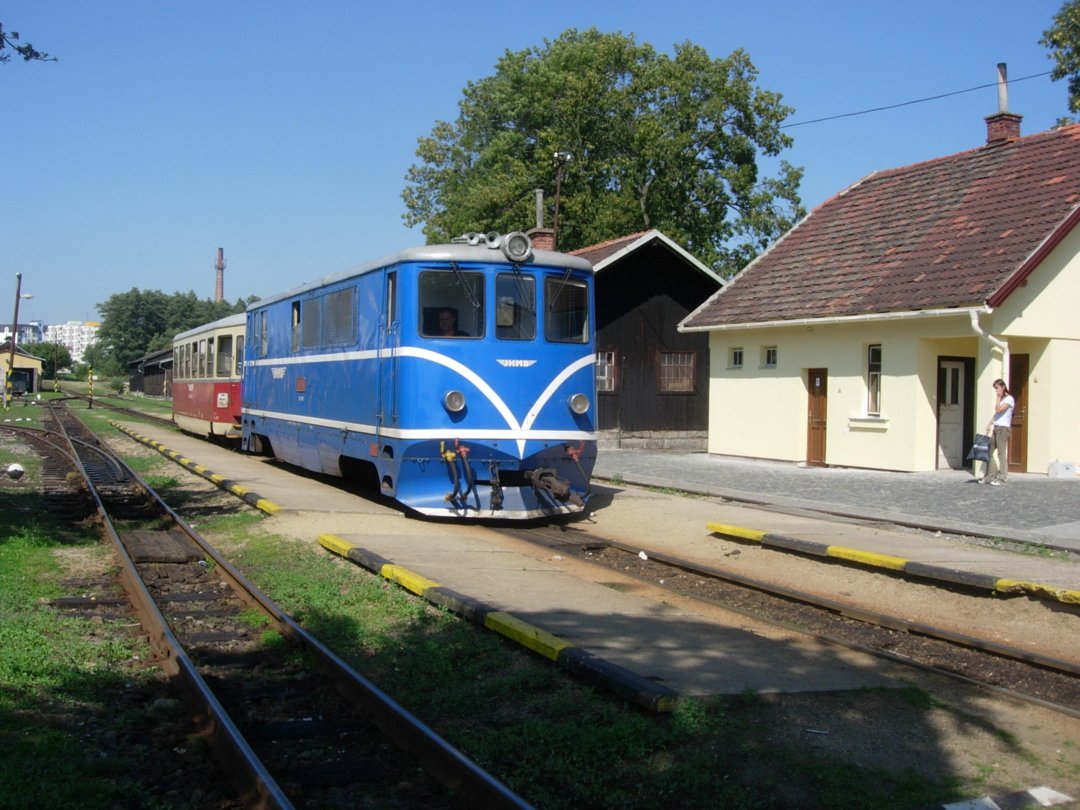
(1001, 345)
(839, 319)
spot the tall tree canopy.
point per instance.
(1063, 40)
(55, 355)
(141, 321)
(657, 141)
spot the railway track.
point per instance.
(102, 403)
(293, 723)
(1043, 679)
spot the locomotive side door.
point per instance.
(389, 336)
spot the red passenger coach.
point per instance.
(207, 366)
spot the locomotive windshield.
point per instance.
(566, 316)
(515, 306)
(451, 304)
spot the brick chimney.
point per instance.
(542, 238)
(1003, 126)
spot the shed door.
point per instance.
(816, 380)
(950, 414)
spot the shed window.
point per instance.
(768, 356)
(606, 377)
(735, 355)
(676, 371)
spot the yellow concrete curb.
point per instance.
(537, 640)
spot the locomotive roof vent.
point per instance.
(516, 246)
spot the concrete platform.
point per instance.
(669, 648)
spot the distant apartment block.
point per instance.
(75, 335)
(29, 332)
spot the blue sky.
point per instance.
(281, 131)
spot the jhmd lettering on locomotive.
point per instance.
(459, 379)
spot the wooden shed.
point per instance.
(151, 374)
(652, 380)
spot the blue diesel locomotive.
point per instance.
(460, 378)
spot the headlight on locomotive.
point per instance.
(517, 247)
(454, 401)
(579, 403)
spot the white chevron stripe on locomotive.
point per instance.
(517, 431)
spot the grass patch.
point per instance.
(61, 678)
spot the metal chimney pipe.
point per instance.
(219, 290)
(539, 208)
(1002, 87)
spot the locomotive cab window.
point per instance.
(566, 312)
(451, 304)
(515, 306)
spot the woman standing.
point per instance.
(1001, 424)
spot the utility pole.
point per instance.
(562, 158)
(8, 393)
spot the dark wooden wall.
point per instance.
(152, 374)
(639, 303)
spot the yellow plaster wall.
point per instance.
(1040, 319)
(762, 413)
(1046, 305)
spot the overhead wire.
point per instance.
(909, 103)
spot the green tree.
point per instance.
(1063, 40)
(657, 141)
(27, 51)
(55, 355)
(101, 361)
(141, 321)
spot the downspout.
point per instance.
(993, 341)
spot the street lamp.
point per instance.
(562, 158)
(19, 295)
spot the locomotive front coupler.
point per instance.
(496, 486)
(547, 480)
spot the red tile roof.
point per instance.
(950, 232)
